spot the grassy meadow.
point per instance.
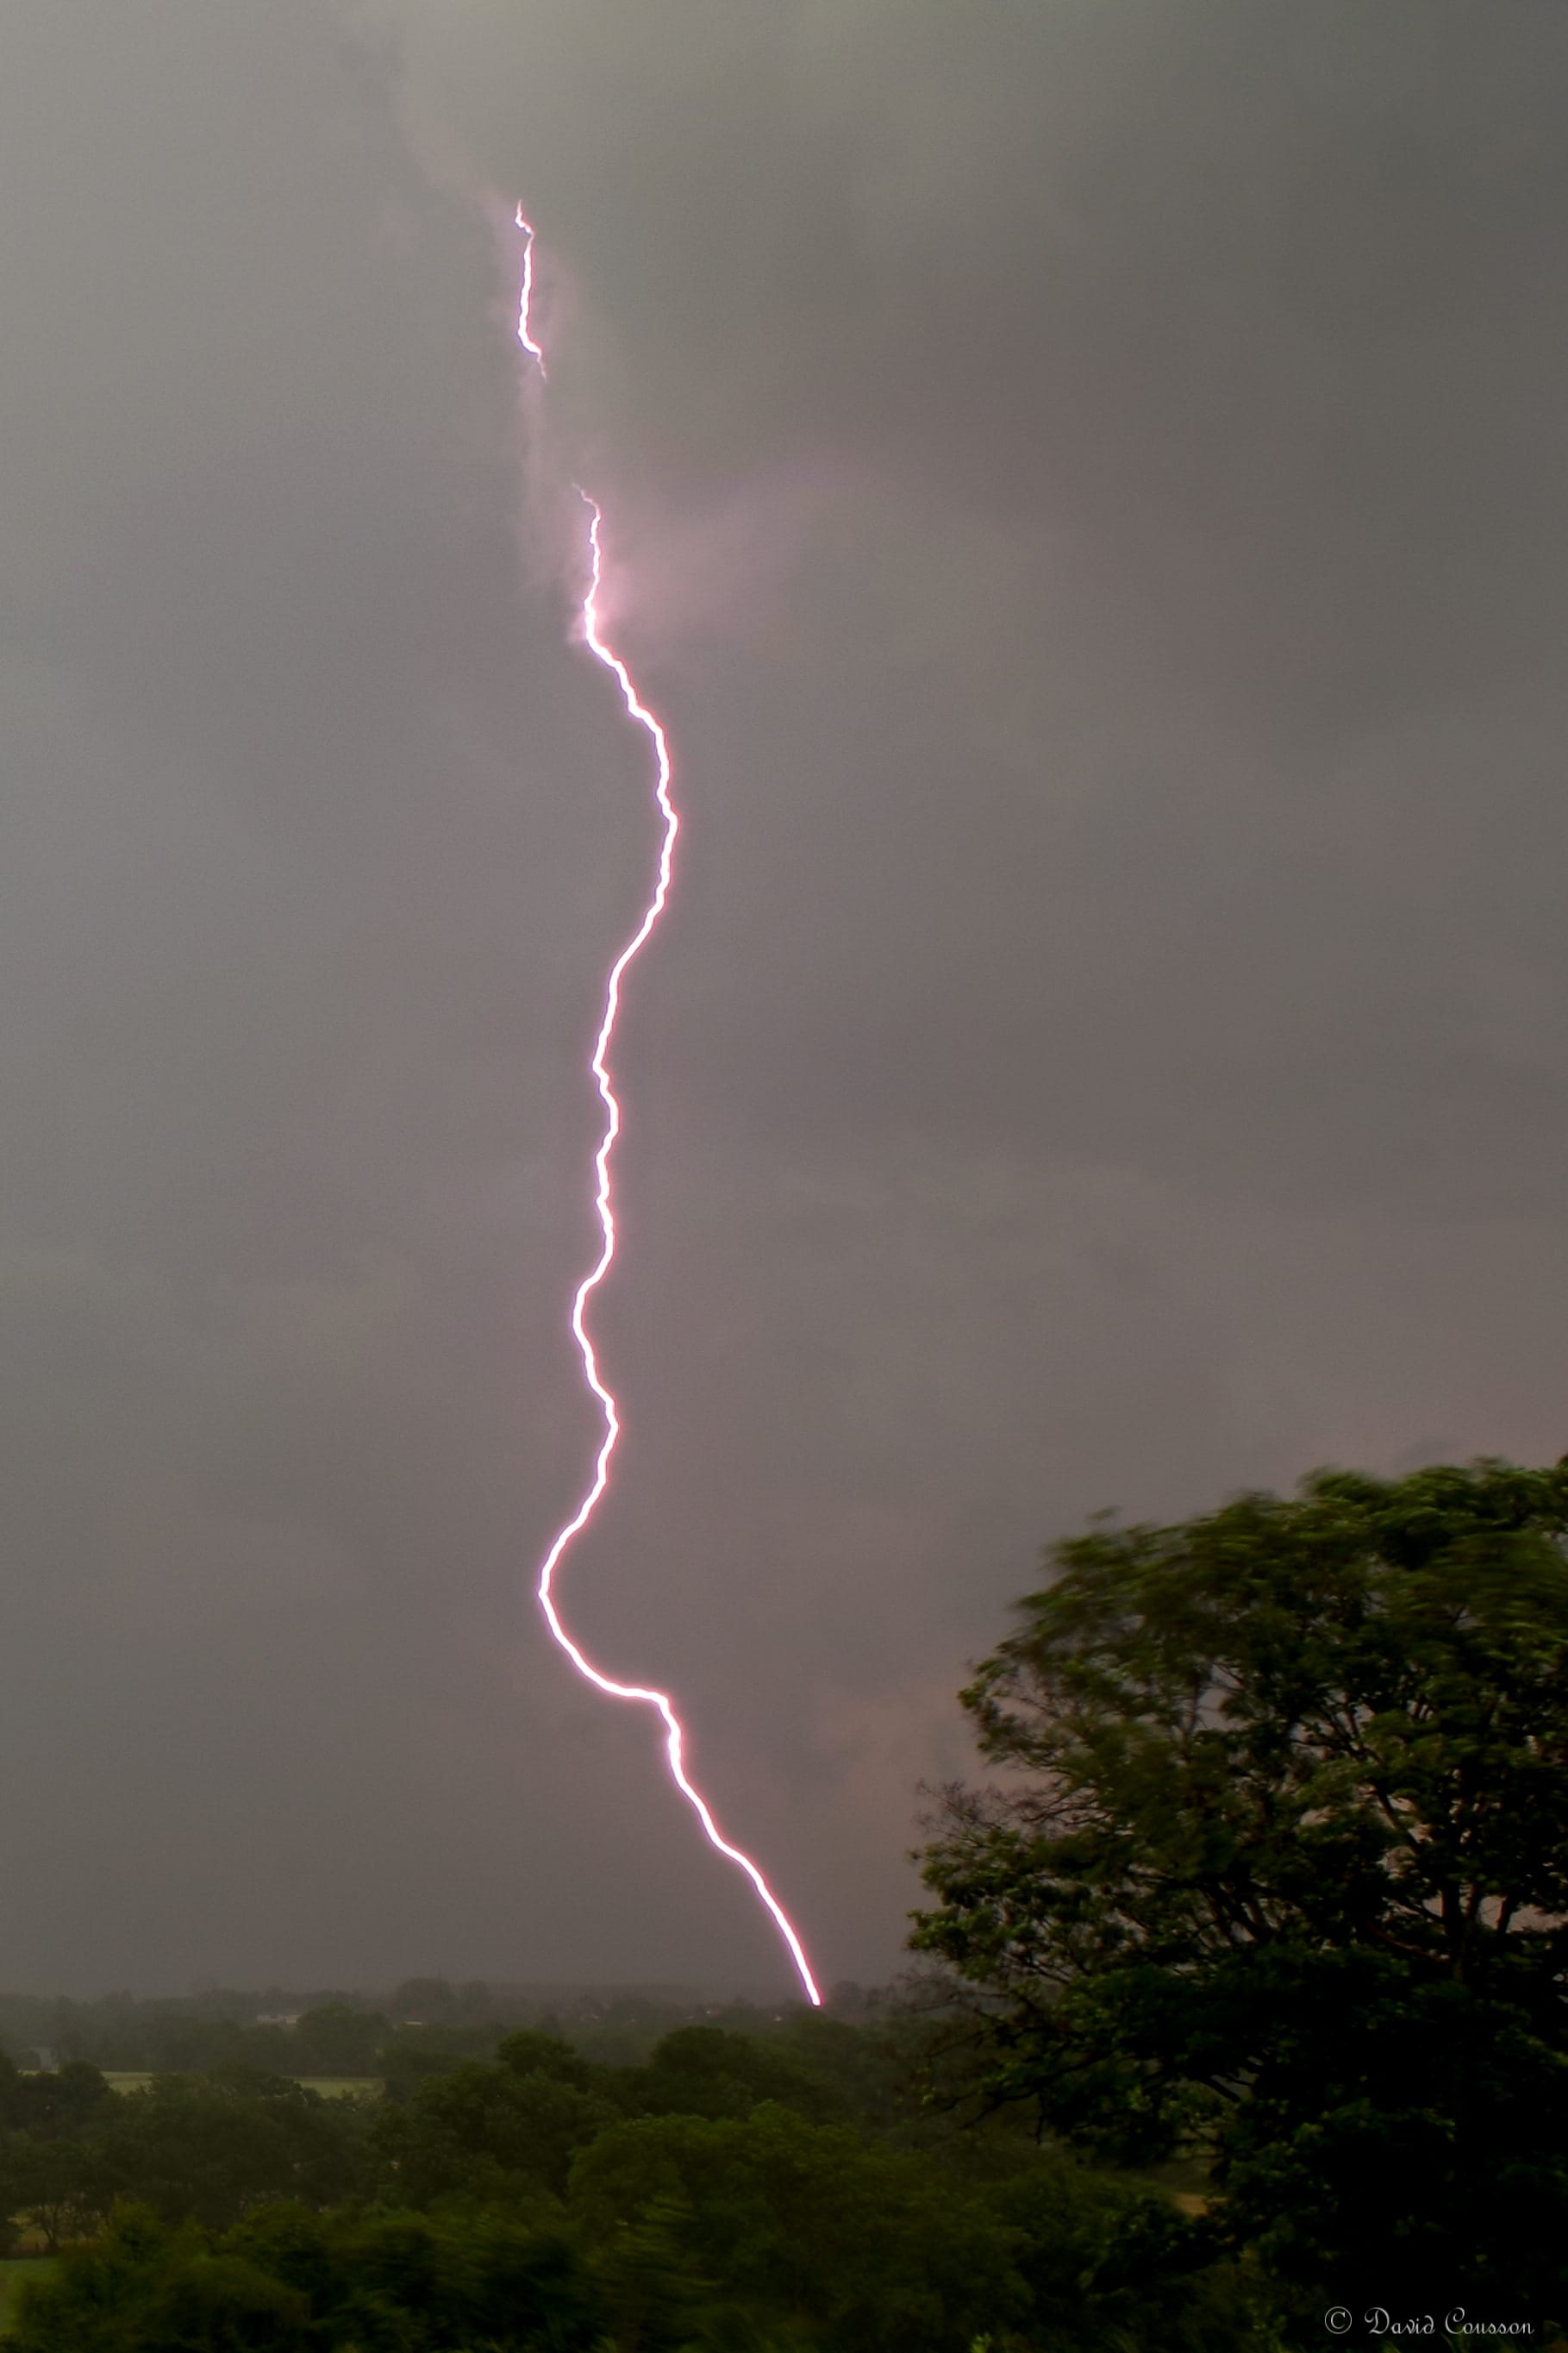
(12, 2273)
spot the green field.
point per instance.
(11, 2275)
(332, 2087)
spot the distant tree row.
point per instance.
(341, 2034)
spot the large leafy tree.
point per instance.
(211, 2148)
(1277, 1867)
(335, 2038)
(493, 2133)
(52, 2107)
(850, 2247)
(703, 2070)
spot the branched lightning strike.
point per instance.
(641, 716)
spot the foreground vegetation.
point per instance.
(780, 2189)
(1280, 1874)
(1277, 1893)
(12, 2275)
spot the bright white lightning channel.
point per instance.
(670, 819)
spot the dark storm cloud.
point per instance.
(1190, 385)
(296, 779)
(1087, 485)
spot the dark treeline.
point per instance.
(790, 2186)
(331, 2032)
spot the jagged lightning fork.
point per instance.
(639, 714)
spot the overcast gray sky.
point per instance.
(1086, 488)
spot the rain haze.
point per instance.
(1086, 488)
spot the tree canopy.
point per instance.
(543, 2200)
(1278, 1869)
(292, 2281)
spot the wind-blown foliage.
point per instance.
(1280, 1867)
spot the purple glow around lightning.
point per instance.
(639, 714)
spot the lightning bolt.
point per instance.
(641, 716)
